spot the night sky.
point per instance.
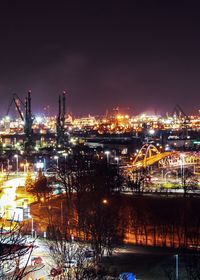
(144, 55)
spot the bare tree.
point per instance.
(13, 248)
(98, 208)
(93, 199)
(69, 259)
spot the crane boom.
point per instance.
(14, 99)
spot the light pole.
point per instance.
(61, 211)
(165, 176)
(65, 155)
(45, 165)
(26, 165)
(56, 158)
(49, 207)
(61, 214)
(117, 160)
(23, 165)
(176, 258)
(32, 228)
(107, 153)
(17, 162)
(8, 164)
(182, 156)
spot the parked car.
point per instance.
(127, 276)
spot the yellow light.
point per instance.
(105, 201)
(119, 117)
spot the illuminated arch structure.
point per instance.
(178, 159)
(148, 155)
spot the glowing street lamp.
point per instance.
(107, 153)
(182, 157)
(151, 131)
(39, 165)
(56, 158)
(17, 162)
(65, 155)
(23, 165)
(105, 201)
(117, 160)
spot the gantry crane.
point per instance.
(27, 118)
(181, 114)
(62, 137)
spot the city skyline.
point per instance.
(99, 140)
(138, 55)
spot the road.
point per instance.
(147, 263)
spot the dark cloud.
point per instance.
(135, 54)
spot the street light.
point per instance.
(117, 160)
(32, 228)
(151, 131)
(61, 210)
(49, 207)
(23, 165)
(105, 201)
(56, 158)
(165, 176)
(169, 172)
(17, 162)
(39, 165)
(44, 164)
(176, 257)
(65, 155)
(27, 166)
(8, 164)
(107, 153)
(182, 156)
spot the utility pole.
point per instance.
(32, 228)
(17, 164)
(61, 216)
(177, 275)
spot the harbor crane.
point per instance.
(26, 117)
